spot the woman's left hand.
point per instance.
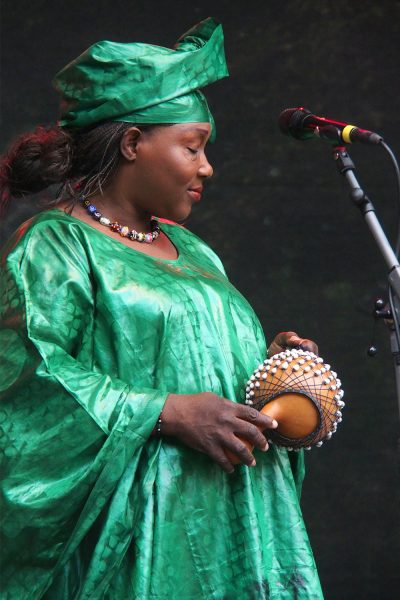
(290, 339)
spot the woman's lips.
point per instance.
(195, 193)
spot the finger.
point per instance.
(280, 342)
(219, 456)
(294, 341)
(262, 420)
(309, 346)
(283, 338)
(242, 450)
(304, 344)
(274, 349)
(252, 434)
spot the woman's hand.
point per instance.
(290, 339)
(211, 424)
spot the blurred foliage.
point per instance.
(278, 215)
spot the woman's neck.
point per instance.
(115, 204)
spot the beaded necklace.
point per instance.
(123, 230)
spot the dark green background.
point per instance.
(278, 215)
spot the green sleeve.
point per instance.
(69, 432)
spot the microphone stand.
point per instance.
(346, 167)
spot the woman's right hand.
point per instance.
(212, 425)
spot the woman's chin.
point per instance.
(175, 215)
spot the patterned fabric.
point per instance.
(94, 336)
(143, 83)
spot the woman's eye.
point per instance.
(193, 150)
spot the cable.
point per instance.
(394, 316)
(397, 171)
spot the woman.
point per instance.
(125, 353)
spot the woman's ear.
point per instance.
(129, 141)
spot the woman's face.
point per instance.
(170, 168)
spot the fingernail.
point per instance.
(265, 447)
(253, 463)
(274, 424)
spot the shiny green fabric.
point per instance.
(143, 83)
(94, 336)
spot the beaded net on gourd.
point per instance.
(299, 372)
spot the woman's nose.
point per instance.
(205, 169)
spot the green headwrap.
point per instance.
(142, 83)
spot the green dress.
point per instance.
(94, 336)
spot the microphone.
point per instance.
(301, 124)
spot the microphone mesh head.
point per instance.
(290, 122)
(284, 119)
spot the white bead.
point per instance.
(251, 386)
(301, 361)
(264, 376)
(277, 363)
(319, 444)
(284, 365)
(319, 360)
(257, 384)
(252, 378)
(341, 404)
(338, 414)
(257, 375)
(317, 372)
(329, 435)
(105, 221)
(333, 387)
(274, 370)
(327, 367)
(260, 367)
(307, 368)
(323, 370)
(251, 393)
(307, 448)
